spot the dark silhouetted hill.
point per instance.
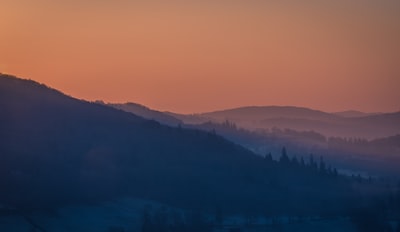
(57, 150)
(147, 113)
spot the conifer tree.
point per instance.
(284, 159)
(322, 166)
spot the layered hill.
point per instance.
(347, 124)
(57, 150)
(147, 113)
(354, 114)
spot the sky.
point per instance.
(199, 56)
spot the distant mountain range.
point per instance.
(259, 113)
(346, 124)
(57, 150)
(342, 124)
(336, 135)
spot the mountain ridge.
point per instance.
(302, 119)
(147, 113)
(355, 113)
(57, 150)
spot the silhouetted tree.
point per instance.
(335, 172)
(369, 179)
(294, 161)
(359, 178)
(302, 163)
(230, 125)
(322, 166)
(213, 132)
(329, 170)
(284, 159)
(313, 164)
(268, 157)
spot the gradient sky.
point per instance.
(196, 56)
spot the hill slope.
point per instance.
(147, 113)
(55, 150)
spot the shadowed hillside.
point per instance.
(350, 154)
(57, 150)
(147, 113)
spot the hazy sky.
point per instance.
(195, 56)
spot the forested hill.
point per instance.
(146, 112)
(56, 150)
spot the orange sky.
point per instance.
(196, 56)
